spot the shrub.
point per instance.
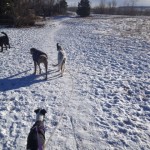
(83, 9)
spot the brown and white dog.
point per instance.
(36, 137)
(4, 41)
(38, 58)
(61, 59)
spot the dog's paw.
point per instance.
(34, 73)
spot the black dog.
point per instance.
(4, 41)
(39, 57)
(36, 137)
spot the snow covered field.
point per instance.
(103, 99)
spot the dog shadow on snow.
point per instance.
(15, 82)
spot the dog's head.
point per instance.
(40, 114)
(32, 50)
(59, 47)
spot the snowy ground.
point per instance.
(103, 99)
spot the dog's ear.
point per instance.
(40, 111)
(57, 46)
(37, 110)
(43, 112)
(32, 50)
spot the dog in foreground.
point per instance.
(38, 58)
(61, 59)
(36, 137)
(4, 41)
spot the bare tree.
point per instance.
(132, 4)
(114, 3)
(109, 5)
(112, 6)
(102, 6)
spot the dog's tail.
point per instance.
(4, 33)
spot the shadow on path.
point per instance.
(14, 82)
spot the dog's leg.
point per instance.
(59, 67)
(62, 69)
(38, 63)
(39, 68)
(35, 67)
(2, 49)
(6, 46)
(46, 66)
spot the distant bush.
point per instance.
(28, 20)
(72, 8)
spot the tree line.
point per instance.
(24, 12)
(110, 7)
(129, 8)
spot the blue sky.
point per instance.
(119, 2)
